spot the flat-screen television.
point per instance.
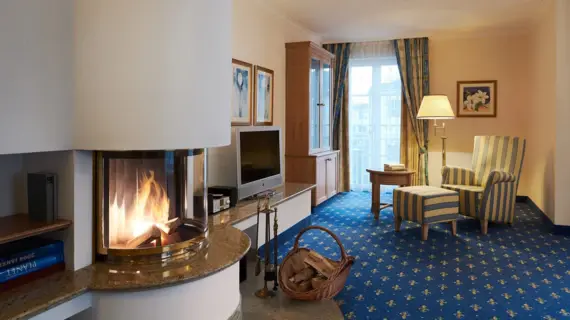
(258, 159)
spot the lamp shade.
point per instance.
(435, 107)
(152, 74)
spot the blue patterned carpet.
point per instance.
(520, 272)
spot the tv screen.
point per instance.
(259, 155)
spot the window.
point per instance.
(375, 95)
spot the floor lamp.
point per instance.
(437, 107)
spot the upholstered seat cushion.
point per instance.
(469, 198)
(425, 204)
(458, 187)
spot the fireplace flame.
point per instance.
(150, 207)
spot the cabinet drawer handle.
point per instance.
(320, 104)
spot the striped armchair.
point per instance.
(488, 191)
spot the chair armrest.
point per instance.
(497, 176)
(457, 175)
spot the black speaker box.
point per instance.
(42, 196)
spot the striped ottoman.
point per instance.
(425, 205)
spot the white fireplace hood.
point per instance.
(152, 74)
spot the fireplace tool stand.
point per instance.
(270, 269)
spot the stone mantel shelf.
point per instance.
(227, 245)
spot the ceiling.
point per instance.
(362, 20)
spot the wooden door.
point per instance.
(321, 189)
(332, 175)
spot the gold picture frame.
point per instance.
(477, 98)
(264, 96)
(242, 93)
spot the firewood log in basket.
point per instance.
(327, 288)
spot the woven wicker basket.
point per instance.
(330, 287)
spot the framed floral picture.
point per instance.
(242, 86)
(477, 98)
(264, 84)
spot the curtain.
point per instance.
(412, 56)
(375, 49)
(340, 109)
(375, 103)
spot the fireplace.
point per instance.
(151, 205)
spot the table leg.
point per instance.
(397, 223)
(376, 200)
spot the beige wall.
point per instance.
(501, 58)
(562, 45)
(541, 133)
(259, 37)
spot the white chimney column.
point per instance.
(152, 74)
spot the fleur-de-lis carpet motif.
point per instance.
(520, 271)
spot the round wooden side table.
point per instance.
(381, 177)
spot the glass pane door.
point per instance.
(314, 114)
(374, 118)
(326, 108)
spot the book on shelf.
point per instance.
(59, 267)
(394, 167)
(29, 266)
(29, 249)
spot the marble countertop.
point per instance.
(227, 245)
(247, 209)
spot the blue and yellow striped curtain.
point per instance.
(340, 109)
(412, 56)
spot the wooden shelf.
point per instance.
(20, 226)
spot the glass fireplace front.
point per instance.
(152, 205)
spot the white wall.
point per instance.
(12, 188)
(75, 178)
(36, 82)
(74, 170)
(82, 209)
(562, 204)
(152, 75)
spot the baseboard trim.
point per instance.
(286, 235)
(555, 229)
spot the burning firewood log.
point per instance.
(170, 226)
(169, 238)
(147, 237)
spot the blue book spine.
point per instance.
(28, 255)
(29, 267)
